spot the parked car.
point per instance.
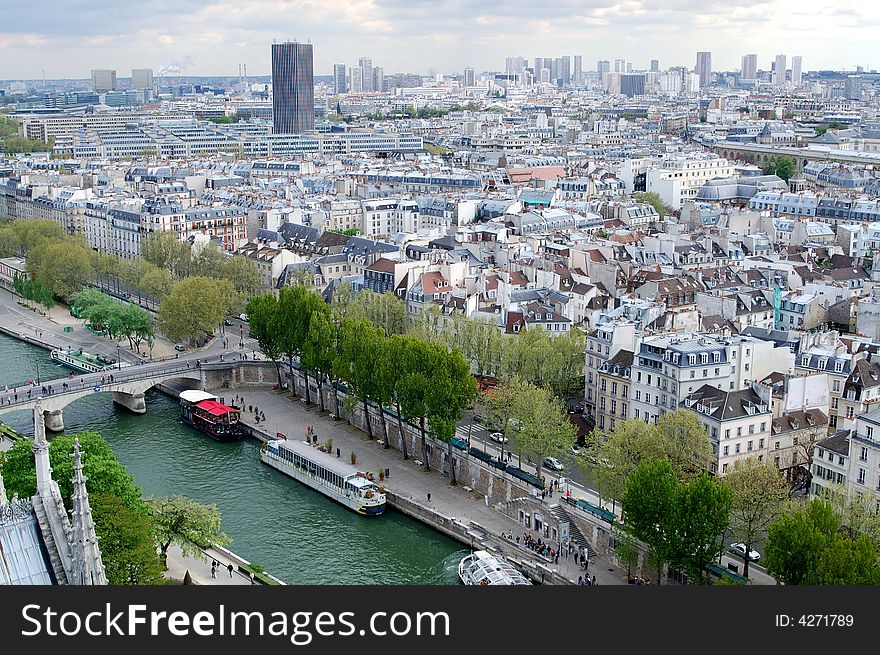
(575, 449)
(552, 463)
(180, 347)
(498, 437)
(740, 550)
(226, 321)
(243, 317)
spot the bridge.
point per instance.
(127, 386)
(761, 154)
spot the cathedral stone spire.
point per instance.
(88, 569)
(41, 453)
(3, 499)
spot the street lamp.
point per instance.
(118, 358)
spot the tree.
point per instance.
(244, 276)
(194, 308)
(136, 324)
(166, 251)
(319, 351)
(156, 283)
(65, 266)
(701, 515)
(543, 425)
(452, 388)
(759, 493)
(416, 367)
(128, 549)
(784, 167)
(652, 198)
(382, 309)
(680, 437)
(187, 523)
(263, 324)
(625, 549)
(648, 509)
(570, 348)
(103, 470)
(359, 343)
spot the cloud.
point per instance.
(69, 37)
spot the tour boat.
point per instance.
(322, 472)
(83, 361)
(483, 568)
(207, 414)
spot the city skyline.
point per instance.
(213, 38)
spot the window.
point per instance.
(739, 431)
(861, 476)
(638, 396)
(726, 450)
(704, 358)
(614, 388)
(693, 373)
(736, 450)
(763, 426)
(716, 357)
(870, 432)
(727, 434)
(749, 447)
(863, 456)
(625, 393)
(752, 428)
(760, 443)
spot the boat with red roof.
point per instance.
(208, 414)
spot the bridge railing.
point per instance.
(93, 381)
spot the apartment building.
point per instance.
(609, 338)
(668, 368)
(737, 422)
(863, 471)
(678, 179)
(613, 397)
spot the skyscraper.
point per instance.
(704, 68)
(749, 69)
(565, 70)
(797, 74)
(357, 81)
(142, 79)
(655, 65)
(366, 66)
(619, 65)
(339, 85)
(779, 72)
(632, 84)
(103, 80)
(293, 88)
(378, 79)
(577, 74)
(603, 66)
(470, 79)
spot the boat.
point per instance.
(84, 362)
(206, 413)
(483, 568)
(322, 472)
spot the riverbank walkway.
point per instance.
(292, 417)
(200, 569)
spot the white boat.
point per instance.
(321, 471)
(483, 568)
(84, 362)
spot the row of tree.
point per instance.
(427, 383)
(64, 265)
(119, 320)
(33, 291)
(134, 533)
(533, 355)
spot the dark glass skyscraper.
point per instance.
(293, 88)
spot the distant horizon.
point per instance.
(177, 76)
(68, 40)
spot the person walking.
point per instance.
(429, 496)
(214, 570)
(229, 568)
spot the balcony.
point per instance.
(865, 439)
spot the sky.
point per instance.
(68, 38)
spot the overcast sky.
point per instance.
(68, 38)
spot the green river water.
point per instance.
(293, 532)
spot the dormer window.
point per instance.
(805, 360)
(716, 357)
(822, 363)
(838, 367)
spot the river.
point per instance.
(293, 532)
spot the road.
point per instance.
(576, 477)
